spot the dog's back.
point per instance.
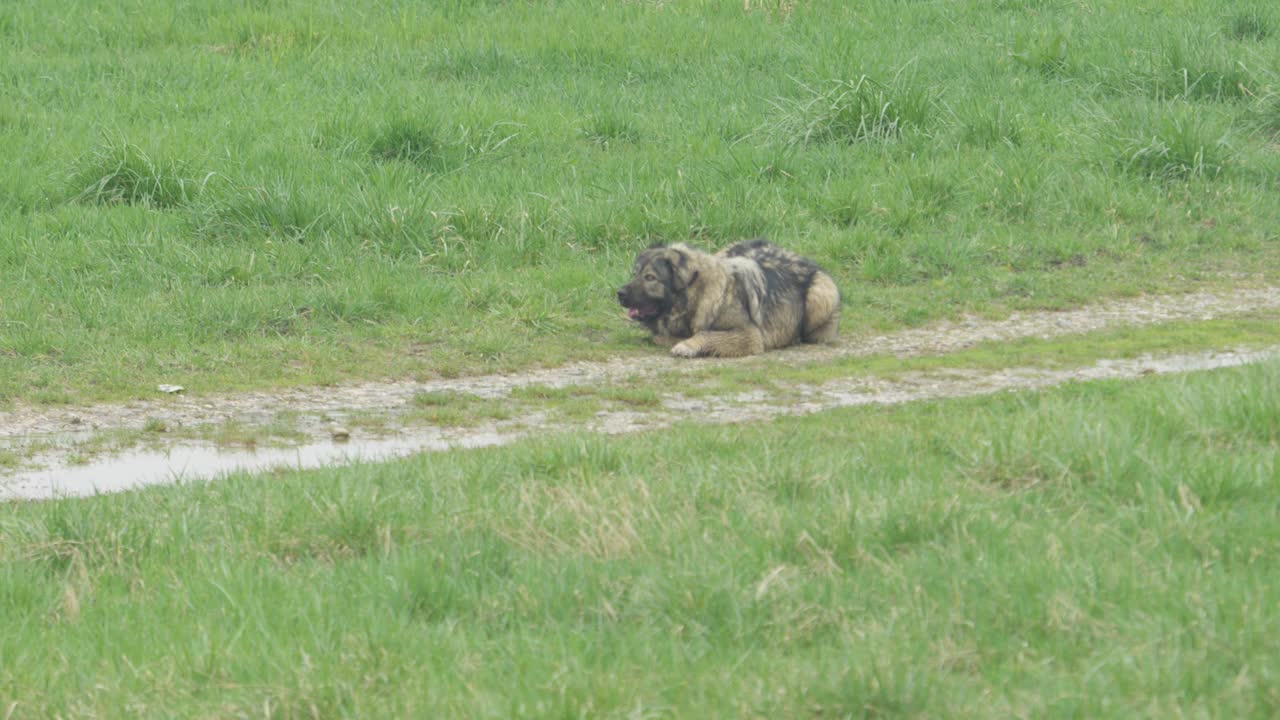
(800, 300)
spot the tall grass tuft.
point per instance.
(1176, 147)
(413, 140)
(426, 143)
(122, 173)
(987, 124)
(1265, 114)
(1045, 53)
(1248, 25)
(605, 128)
(1200, 70)
(861, 110)
(283, 210)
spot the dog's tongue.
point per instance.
(633, 313)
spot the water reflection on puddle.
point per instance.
(184, 462)
(192, 461)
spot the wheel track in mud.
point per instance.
(936, 339)
(314, 408)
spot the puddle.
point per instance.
(188, 461)
(191, 461)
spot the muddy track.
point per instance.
(314, 410)
(185, 460)
(261, 407)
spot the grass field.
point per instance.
(270, 193)
(1102, 550)
(266, 193)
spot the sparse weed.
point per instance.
(451, 409)
(638, 396)
(439, 398)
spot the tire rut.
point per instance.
(260, 407)
(315, 409)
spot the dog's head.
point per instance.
(662, 276)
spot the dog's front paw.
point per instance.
(664, 340)
(684, 350)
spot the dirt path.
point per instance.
(313, 411)
(186, 460)
(261, 407)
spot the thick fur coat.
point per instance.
(748, 298)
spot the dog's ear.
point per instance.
(682, 276)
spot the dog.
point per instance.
(748, 298)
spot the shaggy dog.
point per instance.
(750, 297)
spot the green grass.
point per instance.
(272, 194)
(453, 409)
(635, 392)
(1101, 550)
